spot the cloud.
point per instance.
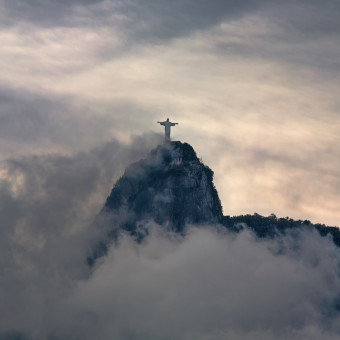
(255, 80)
(48, 204)
(32, 122)
(145, 20)
(156, 21)
(46, 13)
(208, 284)
(213, 285)
(320, 21)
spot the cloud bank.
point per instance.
(211, 285)
(48, 204)
(207, 285)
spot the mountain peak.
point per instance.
(171, 187)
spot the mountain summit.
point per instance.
(171, 187)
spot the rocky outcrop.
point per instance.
(171, 187)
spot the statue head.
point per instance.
(167, 119)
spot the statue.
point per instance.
(167, 125)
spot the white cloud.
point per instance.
(208, 285)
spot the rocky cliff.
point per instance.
(174, 189)
(171, 187)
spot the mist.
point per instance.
(212, 285)
(48, 204)
(208, 284)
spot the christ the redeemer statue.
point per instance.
(167, 125)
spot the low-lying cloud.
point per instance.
(209, 284)
(47, 207)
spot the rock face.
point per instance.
(171, 187)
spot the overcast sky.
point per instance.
(254, 85)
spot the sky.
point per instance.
(253, 84)
(254, 87)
